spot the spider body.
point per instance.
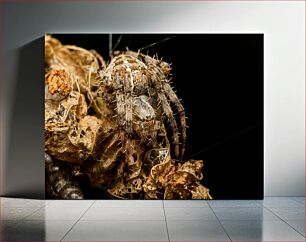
(137, 87)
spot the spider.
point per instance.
(137, 87)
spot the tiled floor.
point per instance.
(273, 219)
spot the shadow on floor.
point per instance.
(23, 231)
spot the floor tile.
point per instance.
(129, 203)
(21, 203)
(244, 214)
(289, 212)
(189, 214)
(298, 225)
(57, 213)
(261, 231)
(124, 214)
(281, 202)
(196, 231)
(140, 220)
(39, 230)
(118, 231)
(185, 204)
(16, 213)
(300, 200)
(70, 203)
(235, 203)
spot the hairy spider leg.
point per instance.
(123, 84)
(153, 72)
(181, 111)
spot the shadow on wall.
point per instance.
(25, 158)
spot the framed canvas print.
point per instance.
(154, 116)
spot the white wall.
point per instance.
(283, 25)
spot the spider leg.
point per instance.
(128, 121)
(124, 87)
(181, 111)
(156, 81)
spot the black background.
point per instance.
(219, 78)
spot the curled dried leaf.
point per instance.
(176, 181)
(86, 134)
(59, 84)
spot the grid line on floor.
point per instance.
(285, 221)
(77, 221)
(287, 218)
(166, 221)
(220, 223)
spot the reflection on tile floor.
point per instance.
(118, 231)
(274, 219)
